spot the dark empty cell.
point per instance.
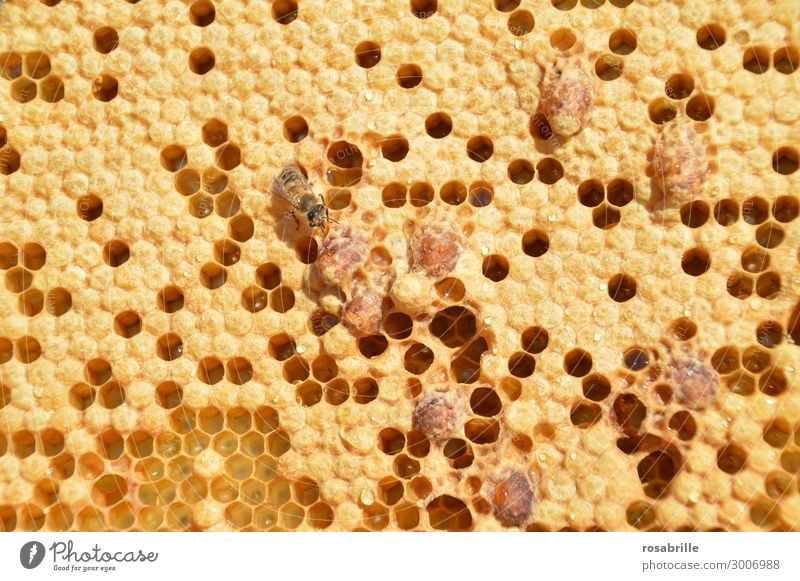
(679, 86)
(227, 204)
(755, 260)
(605, 217)
(409, 76)
(215, 133)
(31, 302)
(740, 383)
(308, 393)
(89, 207)
(454, 326)
(3, 136)
(756, 360)
(284, 11)
(585, 414)
(495, 267)
(485, 402)
(268, 275)
(372, 346)
(622, 41)
(684, 425)
(6, 350)
(116, 253)
(578, 363)
(394, 195)
(295, 370)
(241, 228)
(170, 299)
(725, 360)
(295, 129)
(540, 127)
(282, 299)
(521, 171)
(23, 90)
(520, 23)
(726, 212)
(482, 431)
(756, 59)
(173, 158)
(169, 394)
(591, 193)
(656, 470)
(619, 192)
(9, 160)
(700, 107)
(768, 285)
(740, 285)
(128, 324)
(36, 65)
(214, 181)
(365, 390)
(28, 349)
(731, 458)
(785, 208)
(345, 155)
(784, 160)
(453, 193)
(418, 358)
(521, 365)
(506, 5)
(201, 60)
(228, 156)
(368, 54)
(622, 287)
(448, 513)
(695, 262)
(98, 371)
(466, 367)
(306, 250)
(254, 299)
(480, 194)
(51, 89)
(535, 243)
(769, 334)
(398, 325)
(770, 235)
(394, 148)
(695, 214)
(10, 65)
(169, 347)
(33, 256)
(423, 8)
(111, 395)
(337, 392)
(629, 413)
(596, 387)
(187, 181)
(534, 339)
(239, 371)
(23, 444)
(438, 125)
(772, 382)
(18, 280)
(562, 39)
(636, 359)
(662, 110)
(202, 13)
(213, 275)
(710, 36)
(281, 347)
(786, 60)
(105, 39)
(755, 210)
(640, 515)
(564, 4)
(549, 170)
(9, 255)
(608, 67)
(105, 88)
(451, 289)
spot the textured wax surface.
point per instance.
(573, 312)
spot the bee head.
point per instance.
(317, 216)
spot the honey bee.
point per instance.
(292, 186)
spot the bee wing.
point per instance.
(291, 184)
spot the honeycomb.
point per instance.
(561, 291)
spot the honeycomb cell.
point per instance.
(453, 193)
(409, 76)
(448, 513)
(105, 39)
(308, 393)
(520, 23)
(11, 63)
(622, 42)
(284, 11)
(772, 382)
(202, 13)
(770, 235)
(596, 387)
(9, 160)
(28, 349)
(769, 334)
(23, 90)
(105, 88)
(228, 156)
(695, 262)
(605, 217)
(756, 59)
(521, 365)
(31, 302)
(622, 287)
(785, 160)
(89, 207)
(640, 515)
(8, 518)
(6, 350)
(169, 347)
(608, 67)
(711, 36)
(549, 171)
(111, 395)
(365, 390)
(629, 413)
(755, 210)
(700, 107)
(213, 276)
(394, 148)
(201, 60)
(786, 60)
(454, 326)
(585, 414)
(109, 489)
(438, 125)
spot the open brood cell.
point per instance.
(511, 328)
